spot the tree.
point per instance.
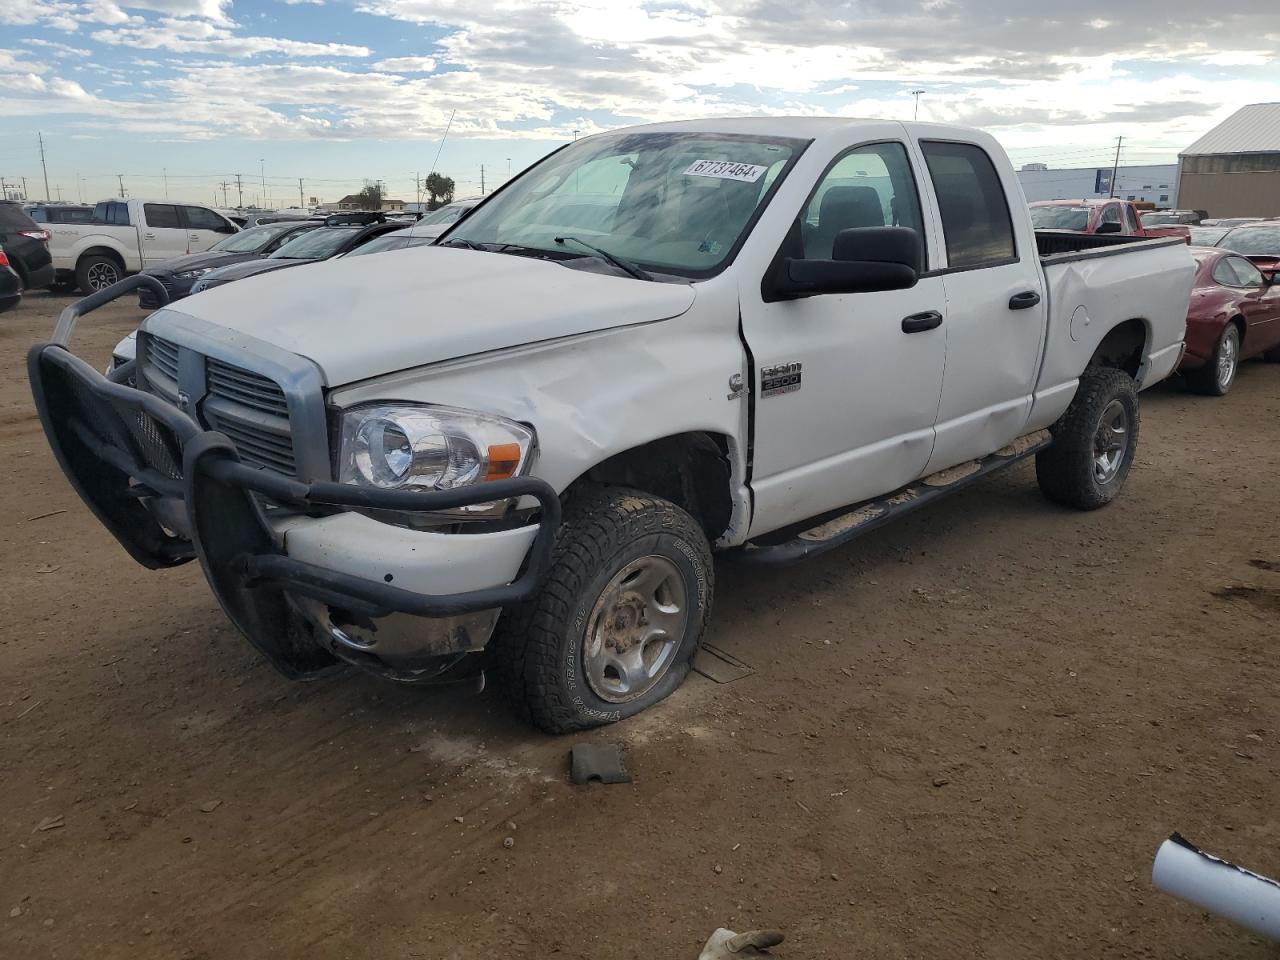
(371, 197)
(439, 190)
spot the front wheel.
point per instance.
(1094, 442)
(1215, 378)
(619, 618)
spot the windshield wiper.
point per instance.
(463, 241)
(625, 266)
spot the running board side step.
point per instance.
(870, 514)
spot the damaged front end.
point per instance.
(170, 491)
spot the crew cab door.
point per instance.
(204, 228)
(845, 397)
(162, 233)
(996, 309)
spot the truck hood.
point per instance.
(369, 316)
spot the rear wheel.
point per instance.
(619, 618)
(1215, 378)
(1094, 442)
(96, 272)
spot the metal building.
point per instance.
(1154, 183)
(1234, 169)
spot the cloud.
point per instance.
(55, 48)
(203, 36)
(407, 65)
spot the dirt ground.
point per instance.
(964, 736)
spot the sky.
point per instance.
(179, 96)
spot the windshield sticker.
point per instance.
(726, 170)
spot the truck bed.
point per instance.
(1060, 246)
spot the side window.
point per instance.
(1130, 221)
(870, 186)
(161, 215)
(38, 215)
(1247, 275)
(118, 214)
(1222, 273)
(975, 214)
(198, 218)
(1110, 214)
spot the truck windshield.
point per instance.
(1060, 218)
(677, 203)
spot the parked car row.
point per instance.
(1118, 217)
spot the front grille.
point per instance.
(163, 356)
(252, 389)
(251, 409)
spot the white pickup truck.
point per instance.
(764, 336)
(126, 236)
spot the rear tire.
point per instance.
(618, 619)
(1215, 378)
(96, 272)
(1094, 442)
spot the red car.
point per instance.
(1234, 315)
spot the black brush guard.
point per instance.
(122, 448)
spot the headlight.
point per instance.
(192, 274)
(426, 447)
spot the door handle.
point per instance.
(919, 322)
(1024, 300)
(148, 236)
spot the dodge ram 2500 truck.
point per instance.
(759, 335)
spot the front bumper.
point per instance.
(306, 581)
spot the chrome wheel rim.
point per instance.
(635, 629)
(102, 275)
(1110, 442)
(1228, 358)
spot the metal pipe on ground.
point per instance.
(1230, 891)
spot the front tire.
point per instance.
(619, 618)
(1094, 442)
(1215, 378)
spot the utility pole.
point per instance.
(482, 179)
(58, 188)
(79, 187)
(120, 177)
(1115, 167)
(916, 94)
(40, 136)
(239, 190)
(417, 187)
(575, 133)
(508, 166)
(224, 186)
(301, 201)
(166, 182)
(25, 195)
(263, 170)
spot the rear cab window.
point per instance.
(976, 224)
(112, 212)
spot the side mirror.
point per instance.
(864, 260)
(1111, 227)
